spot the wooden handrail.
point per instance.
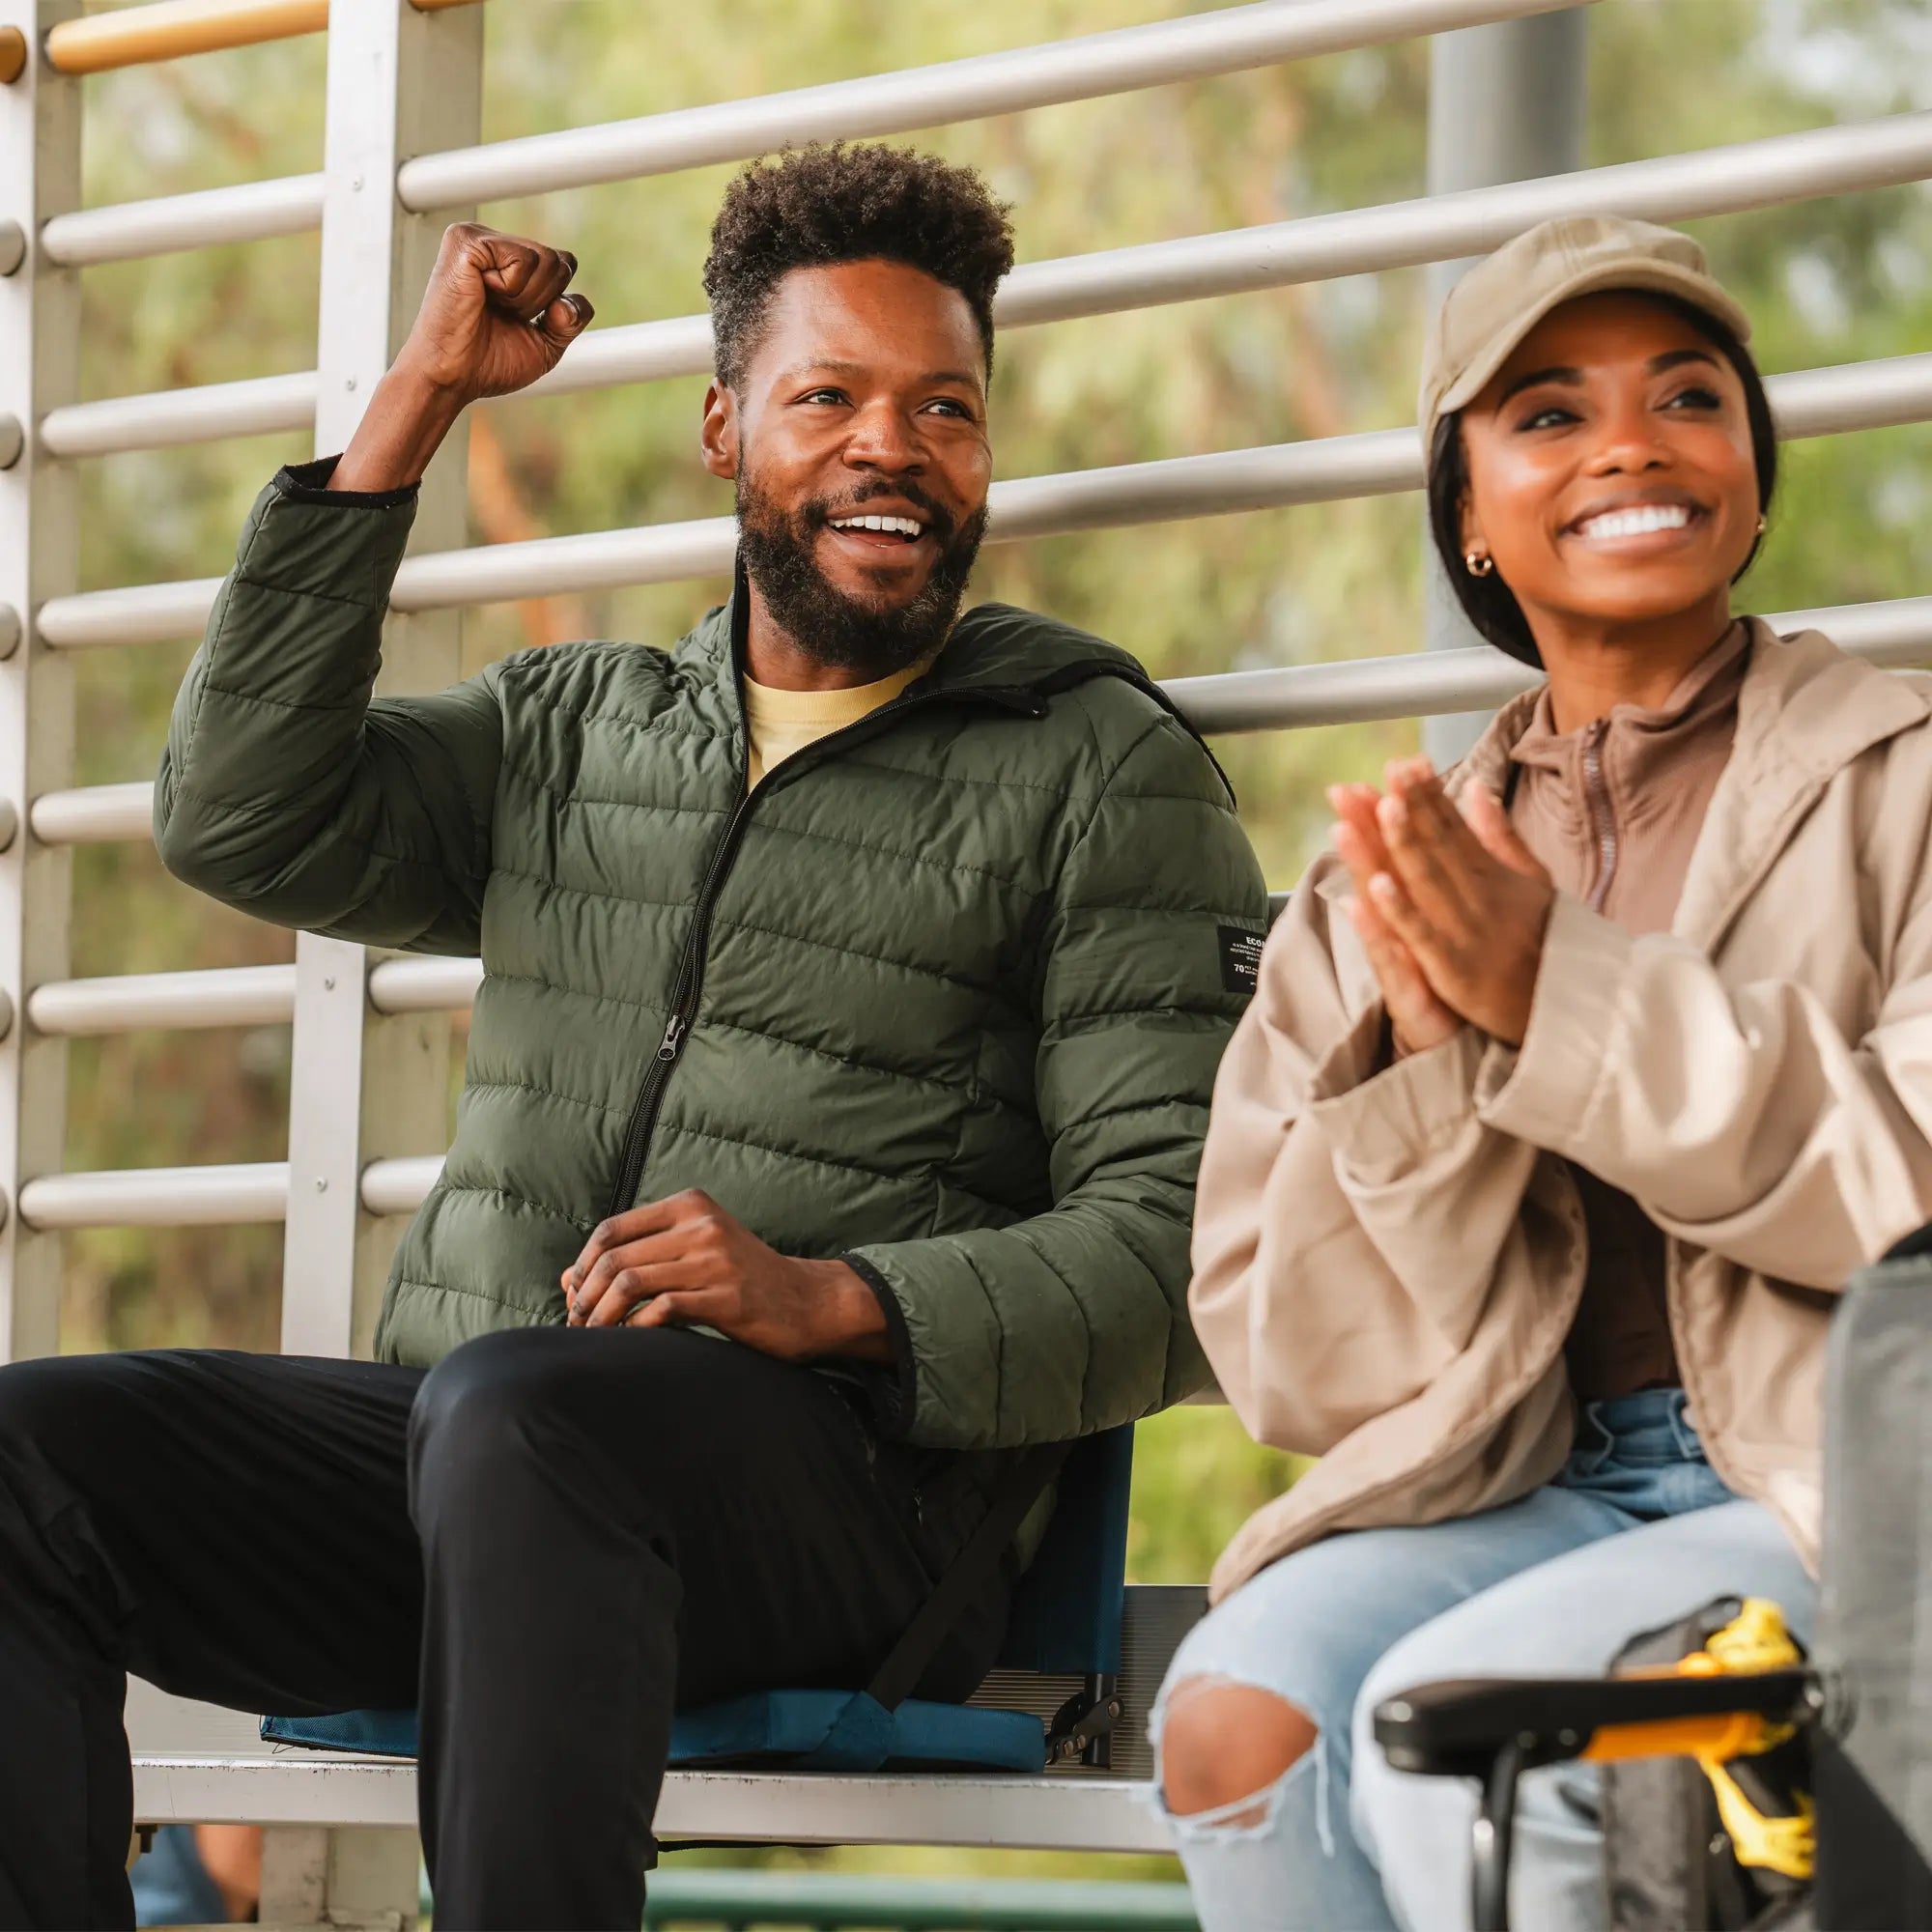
(166, 29)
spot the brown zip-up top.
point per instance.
(1613, 811)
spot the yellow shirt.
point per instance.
(780, 722)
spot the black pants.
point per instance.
(547, 1542)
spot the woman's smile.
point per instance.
(1640, 522)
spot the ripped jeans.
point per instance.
(1636, 1531)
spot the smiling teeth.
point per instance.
(903, 525)
(1637, 522)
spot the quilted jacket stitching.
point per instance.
(206, 804)
(673, 1126)
(478, 1083)
(873, 959)
(974, 1089)
(209, 687)
(578, 797)
(555, 885)
(446, 1186)
(404, 1281)
(217, 636)
(875, 850)
(304, 590)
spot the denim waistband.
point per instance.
(1652, 1426)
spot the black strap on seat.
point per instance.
(969, 1573)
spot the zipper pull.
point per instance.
(673, 1038)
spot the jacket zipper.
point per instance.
(687, 990)
(1602, 814)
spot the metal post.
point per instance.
(1506, 103)
(364, 1086)
(39, 335)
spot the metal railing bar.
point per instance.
(1884, 393)
(1421, 684)
(424, 986)
(1407, 233)
(159, 1196)
(1124, 61)
(1219, 42)
(1810, 402)
(93, 815)
(1725, 180)
(148, 613)
(632, 352)
(1291, 697)
(167, 418)
(224, 997)
(234, 996)
(169, 29)
(1353, 691)
(1897, 632)
(1715, 181)
(399, 1186)
(250, 212)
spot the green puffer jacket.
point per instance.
(945, 996)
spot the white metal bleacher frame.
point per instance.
(371, 1035)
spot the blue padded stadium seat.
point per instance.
(1065, 1621)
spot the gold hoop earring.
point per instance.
(1478, 562)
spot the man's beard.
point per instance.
(873, 639)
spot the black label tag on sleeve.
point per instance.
(1241, 959)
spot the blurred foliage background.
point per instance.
(1829, 281)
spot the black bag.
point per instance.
(1670, 1862)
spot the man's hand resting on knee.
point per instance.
(686, 1259)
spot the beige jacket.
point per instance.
(1387, 1258)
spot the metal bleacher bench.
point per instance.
(1084, 1656)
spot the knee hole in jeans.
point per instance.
(1222, 1741)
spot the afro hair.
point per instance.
(817, 206)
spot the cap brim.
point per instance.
(1664, 278)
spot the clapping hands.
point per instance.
(1450, 905)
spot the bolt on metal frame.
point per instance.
(371, 1036)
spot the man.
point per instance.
(856, 975)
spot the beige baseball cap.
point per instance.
(1507, 293)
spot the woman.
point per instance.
(1574, 1086)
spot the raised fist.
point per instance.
(494, 316)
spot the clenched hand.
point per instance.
(494, 316)
(685, 1260)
